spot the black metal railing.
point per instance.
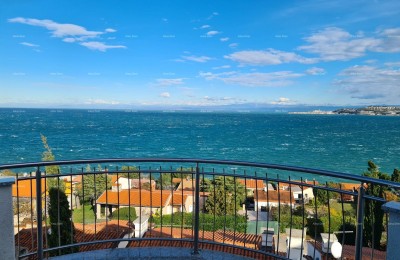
(239, 207)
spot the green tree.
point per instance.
(395, 175)
(62, 229)
(164, 182)
(373, 216)
(93, 185)
(183, 173)
(226, 195)
(129, 172)
(48, 156)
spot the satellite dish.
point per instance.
(336, 250)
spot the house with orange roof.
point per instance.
(145, 202)
(265, 200)
(24, 191)
(123, 183)
(252, 184)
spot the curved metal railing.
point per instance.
(210, 204)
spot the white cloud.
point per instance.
(390, 41)
(332, 44)
(99, 46)
(225, 39)
(70, 33)
(101, 102)
(393, 64)
(70, 40)
(233, 45)
(283, 101)
(170, 82)
(315, 71)
(221, 67)
(268, 57)
(165, 95)
(57, 29)
(205, 26)
(110, 30)
(200, 59)
(29, 44)
(212, 33)
(256, 79)
(369, 82)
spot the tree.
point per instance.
(226, 196)
(395, 175)
(129, 172)
(93, 185)
(373, 216)
(164, 182)
(48, 156)
(62, 229)
(183, 173)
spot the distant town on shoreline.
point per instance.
(369, 110)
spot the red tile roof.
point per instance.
(348, 252)
(135, 197)
(281, 196)
(252, 183)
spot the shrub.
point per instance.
(349, 238)
(124, 214)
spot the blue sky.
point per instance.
(122, 54)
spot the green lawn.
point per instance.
(77, 215)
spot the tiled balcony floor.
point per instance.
(149, 253)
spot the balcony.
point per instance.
(188, 208)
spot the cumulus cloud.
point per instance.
(370, 82)
(255, 79)
(29, 44)
(390, 41)
(233, 45)
(169, 82)
(315, 71)
(200, 59)
(225, 39)
(100, 46)
(332, 44)
(205, 26)
(165, 95)
(267, 57)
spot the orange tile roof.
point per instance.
(252, 183)
(280, 196)
(178, 199)
(349, 186)
(135, 197)
(348, 252)
(27, 188)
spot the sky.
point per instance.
(123, 54)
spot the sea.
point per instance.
(342, 143)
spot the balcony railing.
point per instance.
(256, 210)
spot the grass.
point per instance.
(77, 215)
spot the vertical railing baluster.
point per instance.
(315, 217)
(303, 213)
(360, 221)
(291, 218)
(58, 212)
(39, 219)
(329, 218)
(196, 212)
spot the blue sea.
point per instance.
(330, 142)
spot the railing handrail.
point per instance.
(335, 174)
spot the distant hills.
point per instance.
(370, 110)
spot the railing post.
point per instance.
(360, 221)
(197, 212)
(39, 218)
(393, 236)
(7, 245)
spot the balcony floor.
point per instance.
(149, 253)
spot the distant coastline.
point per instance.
(369, 110)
